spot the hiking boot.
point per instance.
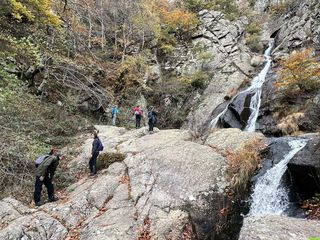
(40, 203)
(54, 199)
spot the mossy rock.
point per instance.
(106, 159)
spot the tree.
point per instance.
(34, 11)
(299, 72)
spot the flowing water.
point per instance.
(269, 194)
(255, 89)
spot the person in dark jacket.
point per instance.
(44, 175)
(152, 119)
(94, 154)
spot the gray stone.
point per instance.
(228, 138)
(20, 222)
(278, 228)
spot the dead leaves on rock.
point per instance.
(312, 207)
(144, 232)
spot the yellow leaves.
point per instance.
(174, 17)
(19, 10)
(35, 11)
(300, 71)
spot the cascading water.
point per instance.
(269, 196)
(256, 87)
(255, 91)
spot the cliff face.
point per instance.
(229, 65)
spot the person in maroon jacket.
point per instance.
(137, 111)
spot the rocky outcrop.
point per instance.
(228, 138)
(228, 65)
(304, 170)
(278, 228)
(296, 28)
(167, 187)
(20, 222)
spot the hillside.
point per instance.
(235, 85)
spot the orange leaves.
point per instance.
(300, 72)
(174, 17)
(144, 233)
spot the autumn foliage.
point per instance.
(34, 11)
(174, 17)
(299, 73)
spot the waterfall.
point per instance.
(269, 195)
(255, 89)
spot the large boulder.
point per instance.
(167, 187)
(304, 169)
(278, 228)
(228, 138)
(20, 222)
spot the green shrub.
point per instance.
(254, 43)
(281, 7)
(197, 80)
(106, 159)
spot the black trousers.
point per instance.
(93, 163)
(47, 181)
(138, 120)
(151, 125)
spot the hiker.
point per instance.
(137, 111)
(114, 114)
(96, 148)
(152, 119)
(46, 167)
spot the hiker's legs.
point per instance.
(93, 163)
(138, 121)
(114, 118)
(37, 190)
(150, 126)
(48, 183)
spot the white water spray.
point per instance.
(255, 88)
(269, 196)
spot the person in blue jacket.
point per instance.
(114, 115)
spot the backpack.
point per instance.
(100, 146)
(137, 112)
(40, 159)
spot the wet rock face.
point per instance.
(238, 112)
(304, 171)
(272, 155)
(278, 228)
